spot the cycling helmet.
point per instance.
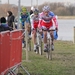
(36, 11)
(32, 8)
(46, 8)
(24, 9)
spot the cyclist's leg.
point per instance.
(45, 38)
(29, 35)
(29, 29)
(52, 37)
(23, 27)
(34, 38)
(28, 26)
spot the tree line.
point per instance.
(59, 9)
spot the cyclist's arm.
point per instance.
(56, 22)
(40, 20)
(31, 21)
(54, 19)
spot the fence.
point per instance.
(4, 51)
(10, 52)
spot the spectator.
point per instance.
(3, 25)
(10, 19)
(0, 21)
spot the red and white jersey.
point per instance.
(47, 21)
(55, 22)
(34, 21)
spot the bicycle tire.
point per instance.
(49, 53)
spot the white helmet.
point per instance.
(46, 8)
(32, 8)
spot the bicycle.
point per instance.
(39, 43)
(49, 52)
(29, 36)
(26, 30)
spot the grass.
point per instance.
(63, 62)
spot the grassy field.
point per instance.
(63, 62)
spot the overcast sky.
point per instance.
(28, 2)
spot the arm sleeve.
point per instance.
(31, 21)
(28, 18)
(40, 20)
(55, 21)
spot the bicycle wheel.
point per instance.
(49, 53)
(39, 43)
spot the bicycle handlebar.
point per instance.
(51, 30)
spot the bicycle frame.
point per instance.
(39, 42)
(49, 53)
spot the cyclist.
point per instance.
(34, 25)
(3, 25)
(25, 20)
(46, 23)
(24, 16)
